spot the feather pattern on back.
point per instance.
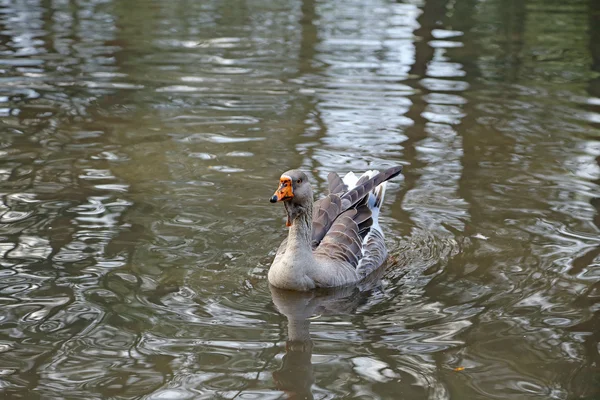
(346, 232)
(326, 210)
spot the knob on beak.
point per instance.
(284, 192)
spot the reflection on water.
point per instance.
(296, 374)
(140, 140)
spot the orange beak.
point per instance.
(285, 191)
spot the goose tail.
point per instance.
(376, 196)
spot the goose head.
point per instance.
(295, 193)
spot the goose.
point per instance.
(335, 241)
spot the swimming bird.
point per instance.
(334, 241)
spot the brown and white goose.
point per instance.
(334, 241)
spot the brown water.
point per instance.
(140, 141)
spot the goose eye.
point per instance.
(299, 181)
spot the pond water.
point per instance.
(140, 141)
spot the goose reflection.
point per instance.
(295, 376)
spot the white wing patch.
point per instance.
(350, 180)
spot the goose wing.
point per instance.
(328, 210)
(344, 239)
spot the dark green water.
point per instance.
(140, 141)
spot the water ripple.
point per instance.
(138, 150)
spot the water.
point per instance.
(140, 142)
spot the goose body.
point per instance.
(334, 241)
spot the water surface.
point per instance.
(140, 142)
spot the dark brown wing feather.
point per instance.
(325, 211)
(336, 184)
